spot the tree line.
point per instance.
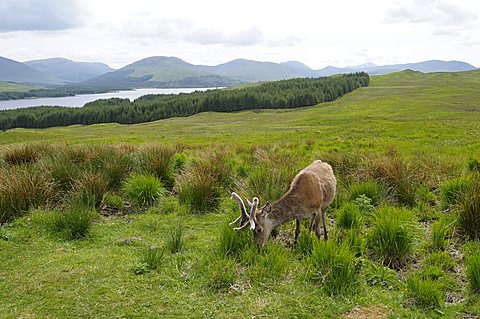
(279, 94)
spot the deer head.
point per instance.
(258, 219)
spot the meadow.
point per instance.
(131, 221)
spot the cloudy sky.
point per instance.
(317, 33)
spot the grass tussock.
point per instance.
(231, 244)
(442, 232)
(72, 224)
(22, 189)
(268, 265)
(334, 268)
(426, 292)
(175, 240)
(469, 210)
(371, 189)
(269, 178)
(143, 190)
(220, 273)
(151, 258)
(204, 182)
(452, 191)
(401, 176)
(90, 189)
(473, 273)
(349, 217)
(159, 161)
(392, 236)
(22, 154)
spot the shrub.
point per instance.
(333, 267)
(203, 183)
(378, 275)
(175, 240)
(23, 189)
(72, 224)
(143, 190)
(469, 209)
(370, 189)
(473, 273)
(349, 217)
(89, 189)
(452, 191)
(220, 273)
(392, 235)
(151, 259)
(426, 292)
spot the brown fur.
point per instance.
(311, 191)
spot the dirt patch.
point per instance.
(371, 312)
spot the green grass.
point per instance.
(421, 127)
(435, 113)
(13, 87)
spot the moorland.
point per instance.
(131, 220)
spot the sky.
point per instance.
(210, 32)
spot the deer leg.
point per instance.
(325, 235)
(297, 228)
(312, 223)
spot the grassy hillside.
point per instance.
(131, 221)
(13, 87)
(409, 110)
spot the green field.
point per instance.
(13, 87)
(405, 149)
(411, 111)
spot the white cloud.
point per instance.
(39, 15)
(435, 12)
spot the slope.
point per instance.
(69, 71)
(13, 71)
(413, 111)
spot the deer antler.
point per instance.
(241, 220)
(243, 216)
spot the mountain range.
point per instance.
(161, 71)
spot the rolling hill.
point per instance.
(69, 71)
(161, 72)
(13, 71)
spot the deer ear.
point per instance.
(267, 208)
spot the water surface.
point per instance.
(81, 99)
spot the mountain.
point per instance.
(69, 71)
(254, 71)
(14, 71)
(425, 67)
(161, 71)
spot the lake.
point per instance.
(81, 99)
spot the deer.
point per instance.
(310, 193)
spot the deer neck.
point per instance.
(284, 210)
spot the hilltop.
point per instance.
(172, 72)
(68, 71)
